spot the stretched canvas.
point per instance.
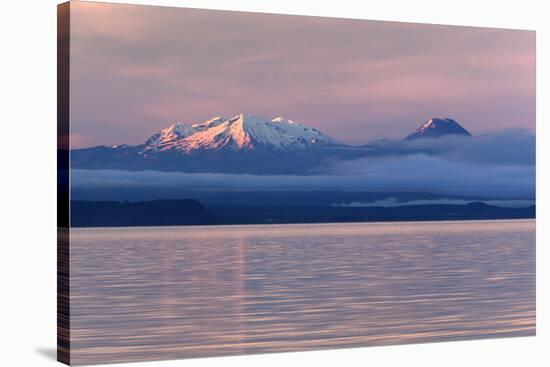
(235, 183)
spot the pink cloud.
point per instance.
(135, 69)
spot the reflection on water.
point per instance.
(176, 292)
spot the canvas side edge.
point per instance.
(63, 184)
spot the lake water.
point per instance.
(178, 292)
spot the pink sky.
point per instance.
(137, 69)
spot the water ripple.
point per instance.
(178, 292)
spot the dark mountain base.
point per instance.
(264, 215)
(145, 213)
(192, 212)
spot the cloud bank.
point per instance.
(500, 165)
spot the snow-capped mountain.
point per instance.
(249, 144)
(241, 144)
(437, 127)
(242, 132)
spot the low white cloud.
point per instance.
(394, 202)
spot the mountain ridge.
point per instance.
(241, 132)
(246, 144)
(249, 132)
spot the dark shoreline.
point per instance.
(189, 212)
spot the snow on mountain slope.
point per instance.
(242, 132)
(437, 127)
(169, 135)
(201, 126)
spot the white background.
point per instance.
(28, 182)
